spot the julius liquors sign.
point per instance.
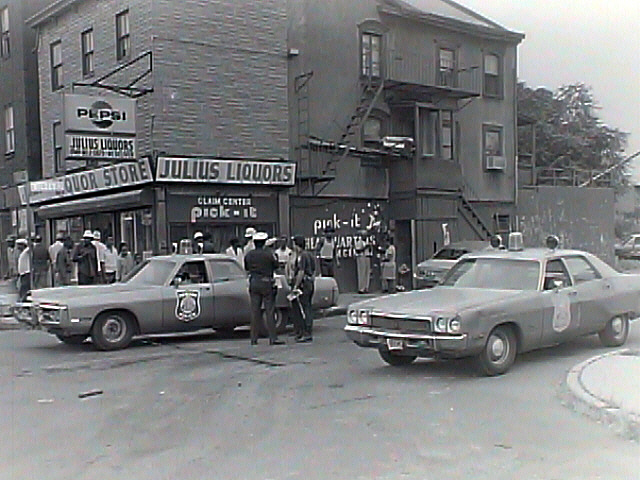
(99, 128)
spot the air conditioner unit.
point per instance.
(495, 162)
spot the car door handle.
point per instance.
(573, 293)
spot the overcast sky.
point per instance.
(594, 42)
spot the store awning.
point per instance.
(115, 201)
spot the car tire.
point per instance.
(396, 360)
(112, 331)
(72, 339)
(499, 352)
(615, 333)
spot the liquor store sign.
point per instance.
(114, 176)
(210, 170)
(101, 128)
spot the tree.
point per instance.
(570, 137)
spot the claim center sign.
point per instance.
(99, 128)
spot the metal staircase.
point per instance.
(472, 217)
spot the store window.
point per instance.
(136, 230)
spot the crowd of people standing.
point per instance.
(33, 265)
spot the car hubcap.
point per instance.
(113, 330)
(497, 348)
(617, 326)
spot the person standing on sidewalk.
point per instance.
(54, 248)
(388, 273)
(86, 256)
(64, 264)
(303, 282)
(327, 253)
(126, 261)
(100, 249)
(24, 268)
(235, 250)
(41, 262)
(261, 264)
(110, 261)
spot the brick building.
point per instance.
(163, 118)
(20, 138)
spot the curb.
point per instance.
(625, 422)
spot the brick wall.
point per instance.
(219, 73)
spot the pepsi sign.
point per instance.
(105, 114)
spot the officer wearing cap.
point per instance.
(260, 264)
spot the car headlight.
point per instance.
(447, 324)
(363, 317)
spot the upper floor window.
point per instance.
(86, 39)
(9, 130)
(493, 147)
(371, 51)
(123, 38)
(56, 65)
(57, 147)
(492, 76)
(372, 130)
(436, 134)
(5, 44)
(446, 134)
(447, 67)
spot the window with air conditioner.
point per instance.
(493, 148)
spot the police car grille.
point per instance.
(400, 324)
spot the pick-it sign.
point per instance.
(89, 114)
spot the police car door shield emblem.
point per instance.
(187, 305)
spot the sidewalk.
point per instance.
(8, 296)
(608, 385)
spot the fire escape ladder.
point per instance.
(474, 220)
(301, 86)
(350, 134)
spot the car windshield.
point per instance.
(494, 273)
(151, 272)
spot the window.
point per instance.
(371, 50)
(224, 270)
(123, 39)
(9, 130)
(372, 130)
(492, 145)
(492, 77)
(56, 65)
(5, 44)
(86, 39)
(193, 273)
(581, 270)
(446, 135)
(447, 67)
(57, 147)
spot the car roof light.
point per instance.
(552, 242)
(515, 241)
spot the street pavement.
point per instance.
(606, 387)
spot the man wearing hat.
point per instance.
(248, 235)
(261, 264)
(86, 256)
(100, 250)
(198, 240)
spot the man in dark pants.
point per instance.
(303, 280)
(261, 264)
(86, 255)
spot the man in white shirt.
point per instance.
(24, 268)
(100, 248)
(110, 261)
(53, 256)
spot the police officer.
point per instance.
(260, 264)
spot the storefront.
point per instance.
(222, 197)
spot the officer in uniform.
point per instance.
(260, 264)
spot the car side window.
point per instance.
(226, 270)
(193, 272)
(581, 271)
(555, 274)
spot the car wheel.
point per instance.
(499, 351)
(396, 360)
(615, 333)
(72, 339)
(112, 331)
